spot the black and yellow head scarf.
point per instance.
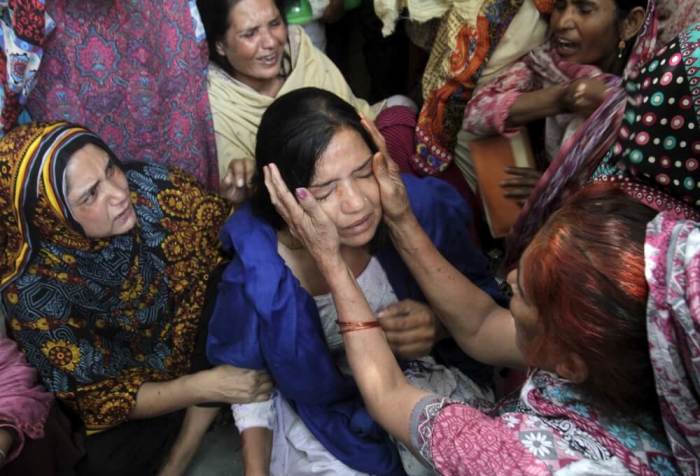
(98, 318)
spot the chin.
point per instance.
(361, 239)
(269, 73)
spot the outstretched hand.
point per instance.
(392, 191)
(306, 219)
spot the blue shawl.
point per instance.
(264, 319)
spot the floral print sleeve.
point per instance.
(87, 372)
(457, 439)
(488, 109)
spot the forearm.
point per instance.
(159, 398)
(195, 424)
(478, 324)
(535, 105)
(256, 448)
(386, 392)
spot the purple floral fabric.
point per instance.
(134, 73)
(672, 251)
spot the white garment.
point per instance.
(295, 450)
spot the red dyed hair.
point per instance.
(586, 279)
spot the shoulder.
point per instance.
(435, 202)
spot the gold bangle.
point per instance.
(356, 326)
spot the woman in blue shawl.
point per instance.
(273, 310)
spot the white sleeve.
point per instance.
(256, 414)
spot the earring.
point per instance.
(621, 48)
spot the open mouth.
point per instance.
(124, 215)
(269, 60)
(565, 47)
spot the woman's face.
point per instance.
(98, 193)
(585, 31)
(344, 185)
(254, 42)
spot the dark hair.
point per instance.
(585, 276)
(624, 7)
(214, 14)
(294, 131)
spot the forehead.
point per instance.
(346, 152)
(250, 13)
(85, 165)
(605, 4)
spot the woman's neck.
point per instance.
(304, 268)
(265, 87)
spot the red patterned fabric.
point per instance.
(462, 433)
(134, 73)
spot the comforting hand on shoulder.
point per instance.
(229, 384)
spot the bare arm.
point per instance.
(256, 448)
(196, 423)
(478, 324)
(535, 105)
(481, 327)
(389, 397)
(224, 383)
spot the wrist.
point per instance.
(403, 230)
(330, 265)
(195, 386)
(561, 98)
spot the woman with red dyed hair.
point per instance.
(577, 319)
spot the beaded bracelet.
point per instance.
(356, 326)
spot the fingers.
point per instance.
(521, 183)
(407, 316)
(237, 168)
(370, 127)
(280, 196)
(401, 308)
(377, 136)
(523, 172)
(414, 343)
(240, 173)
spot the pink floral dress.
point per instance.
(547, 430)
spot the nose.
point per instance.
(352, 199)
(565, 19)
(267, 38)
(115, 192)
